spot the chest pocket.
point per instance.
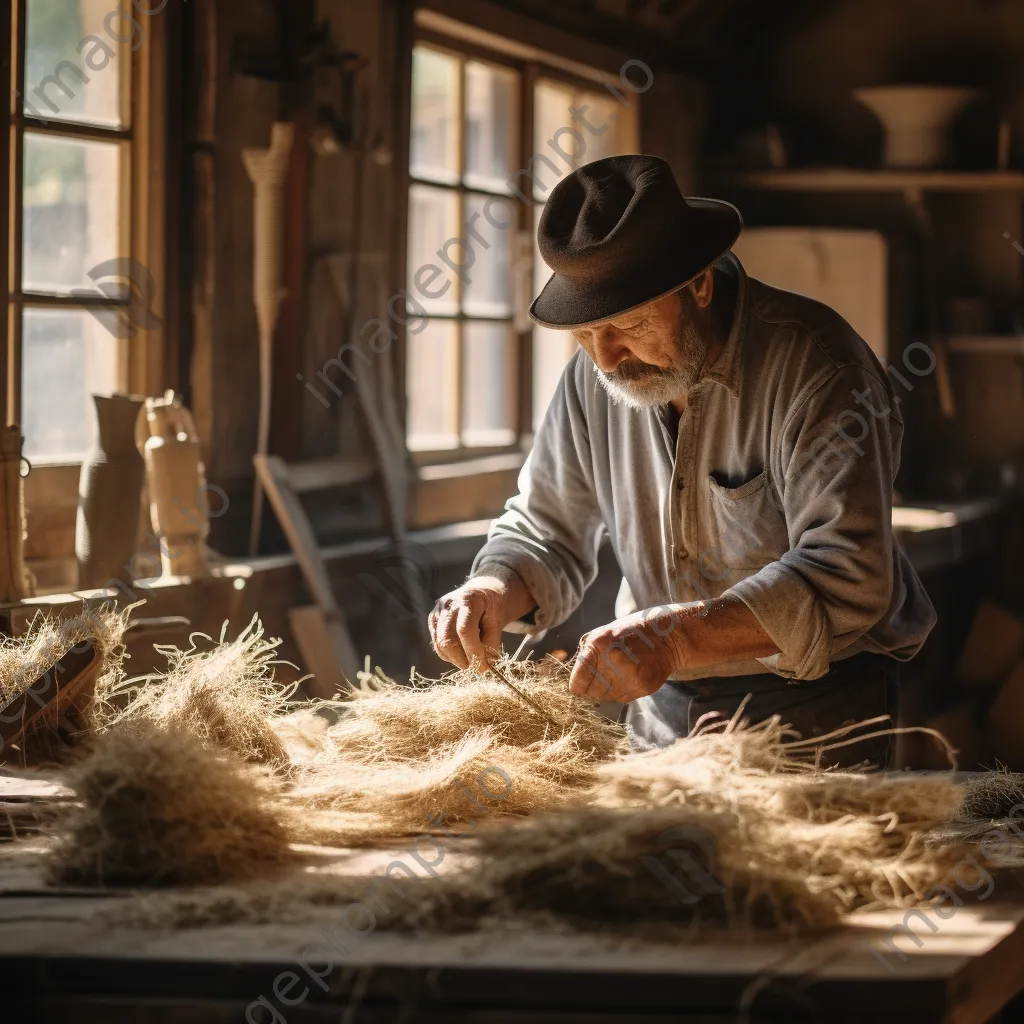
(751, 530)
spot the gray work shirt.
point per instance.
(776, 488)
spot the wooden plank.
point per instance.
(326, 632)
(292, 516)
(532, 38)
(444, 498)
(327, 650)
(962, 972)
(321, 474)
(838, 976)
(29, 784)
(840, 179)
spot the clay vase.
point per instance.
(917, 119)
(110, 495)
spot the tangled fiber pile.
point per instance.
(403, 755)
(854, 839)
(226, 697)
(157, 807)
(24, 660)
(585, 833)
(992, 809)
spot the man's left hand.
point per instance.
(629, 658)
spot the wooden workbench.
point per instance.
(60, 964)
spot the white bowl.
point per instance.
(916, 119)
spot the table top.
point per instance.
(959, 968)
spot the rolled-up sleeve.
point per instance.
(833, 468)
(551, 531)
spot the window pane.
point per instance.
(433, 377)
(433, 219)
(552, 101)
(488, 288)
(491, 126)
(434, 147)
(488, 394)
(67, 355)
(551, 349)
(74, 62)
(614, 124)
(72, 211)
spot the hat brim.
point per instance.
(563, 303)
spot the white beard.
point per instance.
(655, 389)
(659, 385)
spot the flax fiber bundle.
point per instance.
(401, 755)
(857, 838)
(226, 697)
(992, 809)
(583, 869)
(25, 660)
(579, 823)
(159, 808)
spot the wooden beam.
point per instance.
(594, 39)
(7, 200)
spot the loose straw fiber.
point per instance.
(403, 754)
(572, 840)
(159, 808)
(226, 697)
(24, 659)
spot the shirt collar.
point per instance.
(727, 368)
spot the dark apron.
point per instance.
(858, 688)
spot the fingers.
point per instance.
(593, 673)
(467, 626)
(444, 630)
(455, 627)
(490, 630)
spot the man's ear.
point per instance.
(703, 288)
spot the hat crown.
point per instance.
(607, 212)
(618, 233)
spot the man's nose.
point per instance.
(610, 348)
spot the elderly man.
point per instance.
(737, 445)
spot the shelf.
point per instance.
(841, 179)
(986, 344)
(919, 519)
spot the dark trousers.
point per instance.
(864, 686)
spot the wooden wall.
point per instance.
(224, 381)
(806, 85)
(224, 373)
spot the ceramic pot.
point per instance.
(110, 495)
(916, 119)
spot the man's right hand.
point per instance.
(466, 624)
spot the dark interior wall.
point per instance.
(224, 374)
(805, 78)
(224, 367)
(224, 361)
(805, 84)
(882, 42)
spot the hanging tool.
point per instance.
(266, 169)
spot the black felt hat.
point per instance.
(618, 233)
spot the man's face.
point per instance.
(652, 355)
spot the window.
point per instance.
(72, 286)
(481, 163)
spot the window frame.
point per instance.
(141, 199)
(51, 488)
(531, 71)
